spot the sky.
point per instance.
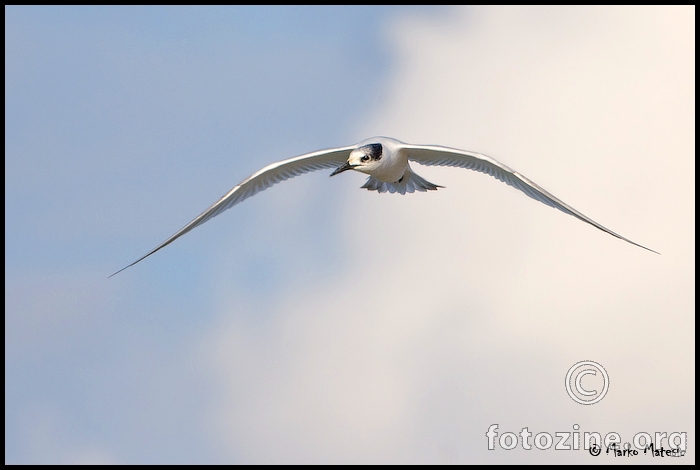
(321, 323)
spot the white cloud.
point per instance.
(465, 307)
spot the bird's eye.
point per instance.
(364, 158)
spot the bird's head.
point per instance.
(364, 159)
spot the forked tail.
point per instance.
(408, 183)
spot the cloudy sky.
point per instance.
(320, 323)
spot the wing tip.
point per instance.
(631, 242)
(122, 269)
(649, 249)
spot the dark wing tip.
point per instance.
(122, 269)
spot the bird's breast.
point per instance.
(390, 169)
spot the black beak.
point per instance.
(344, 167)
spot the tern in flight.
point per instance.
(387, 162)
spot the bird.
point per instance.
(387, 161)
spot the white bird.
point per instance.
(386, 161)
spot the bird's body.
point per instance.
(386, 161)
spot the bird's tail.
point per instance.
(408, 183)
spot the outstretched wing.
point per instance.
(263, 179)
(434, 155)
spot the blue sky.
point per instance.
(316, 322)
(105, 98)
